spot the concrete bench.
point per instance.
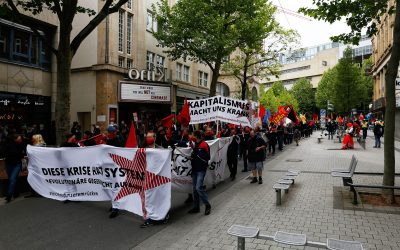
(293, 239)
(278, 188)
(347, 176)
(345, 170)
(320, 138)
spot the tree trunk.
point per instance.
(214, 79)
(390, 78)
(63, 100)
(244, 83)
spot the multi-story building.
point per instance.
(382, 44)
(117, 71)
(312, 62)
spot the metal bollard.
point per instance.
(241, 243)
(278, 197)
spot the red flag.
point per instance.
(184, 116)
(168, 121)
(315, 117)
(231, 126)
(262, 111)
(340, 119)
(131, 142)
(219, 134)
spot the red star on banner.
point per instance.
(138, 179)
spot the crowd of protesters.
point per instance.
(250, 145)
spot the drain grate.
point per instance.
(294, 160)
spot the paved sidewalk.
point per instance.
(308, 208)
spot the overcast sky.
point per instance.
(311, 32)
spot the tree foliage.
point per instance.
(304, 93)
(345, 85)
(276, 96)
(257, 56)
(209, 31)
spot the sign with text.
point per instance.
(182, 168)
(144, 92)
(136, 180)
(219, 108)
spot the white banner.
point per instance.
(219, 108)
(136, 180)
(182, 168)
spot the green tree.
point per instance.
(276, 96)
(209, 31)
(325, 88)
(360, 15)
(262, 41)
(348, 90)
(303, 92)
(67, 47)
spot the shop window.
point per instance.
(203, 79)
(179, 71)
(121, 14)
(129, 4)
(186, 73)
(150, 60)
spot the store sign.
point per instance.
(145, 93)
(397, 83)
(147, 75)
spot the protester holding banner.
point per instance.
(233, 153)
(199, 158)
(256, 146)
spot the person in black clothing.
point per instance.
(244, 138)
(233, 153)
(271, 139)
(256, 146)
(113, 140)
(88, 140)
(280, 134)
(329, 128)
(378, 133)
(14, 153)
(200, 157)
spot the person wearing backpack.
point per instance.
(199, 158)
(256, 146)
(378, 132)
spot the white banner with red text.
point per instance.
(136, 180)
(224, 109)
(216, 172)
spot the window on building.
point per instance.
(186, 73)
(160, 62)
(203, 79)
(19, 44)
(121, 31)
(179, 71)
(129, 4)
(129, 63)
(151, 22)
(286, 71)
(129, 34)
(150, 60)
(121, 62)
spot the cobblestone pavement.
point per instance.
(308, 208)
